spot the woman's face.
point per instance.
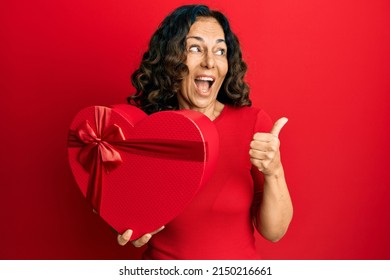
(207, 64)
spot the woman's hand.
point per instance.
(264, 149)
(124, 238)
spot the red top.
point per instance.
(217, 224)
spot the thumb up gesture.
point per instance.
(264, 149)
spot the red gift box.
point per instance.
(138, 171)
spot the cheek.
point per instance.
(223, 69)
(187, 82)
(191, 62)
(186, 87)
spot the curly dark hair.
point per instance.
(158, 79)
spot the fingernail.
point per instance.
(128, 233)
(147, 237)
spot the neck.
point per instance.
(212, 111)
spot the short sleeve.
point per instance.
(263, 122)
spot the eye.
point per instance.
(194, 49)
(220, 52)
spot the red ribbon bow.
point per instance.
(96, 151)
(99, 146)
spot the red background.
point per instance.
(323, 64)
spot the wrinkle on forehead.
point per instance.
(207, 25)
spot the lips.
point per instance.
(204, 83)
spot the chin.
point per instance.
(203, 103)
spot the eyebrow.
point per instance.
(202, 40)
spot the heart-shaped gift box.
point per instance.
(139, 171)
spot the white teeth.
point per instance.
(205, 79)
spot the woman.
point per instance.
(194, 62)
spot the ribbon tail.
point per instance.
(110, 157)
(94, 192)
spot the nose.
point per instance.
(208, 60)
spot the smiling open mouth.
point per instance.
(204, 83)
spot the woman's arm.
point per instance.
(275, 212)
